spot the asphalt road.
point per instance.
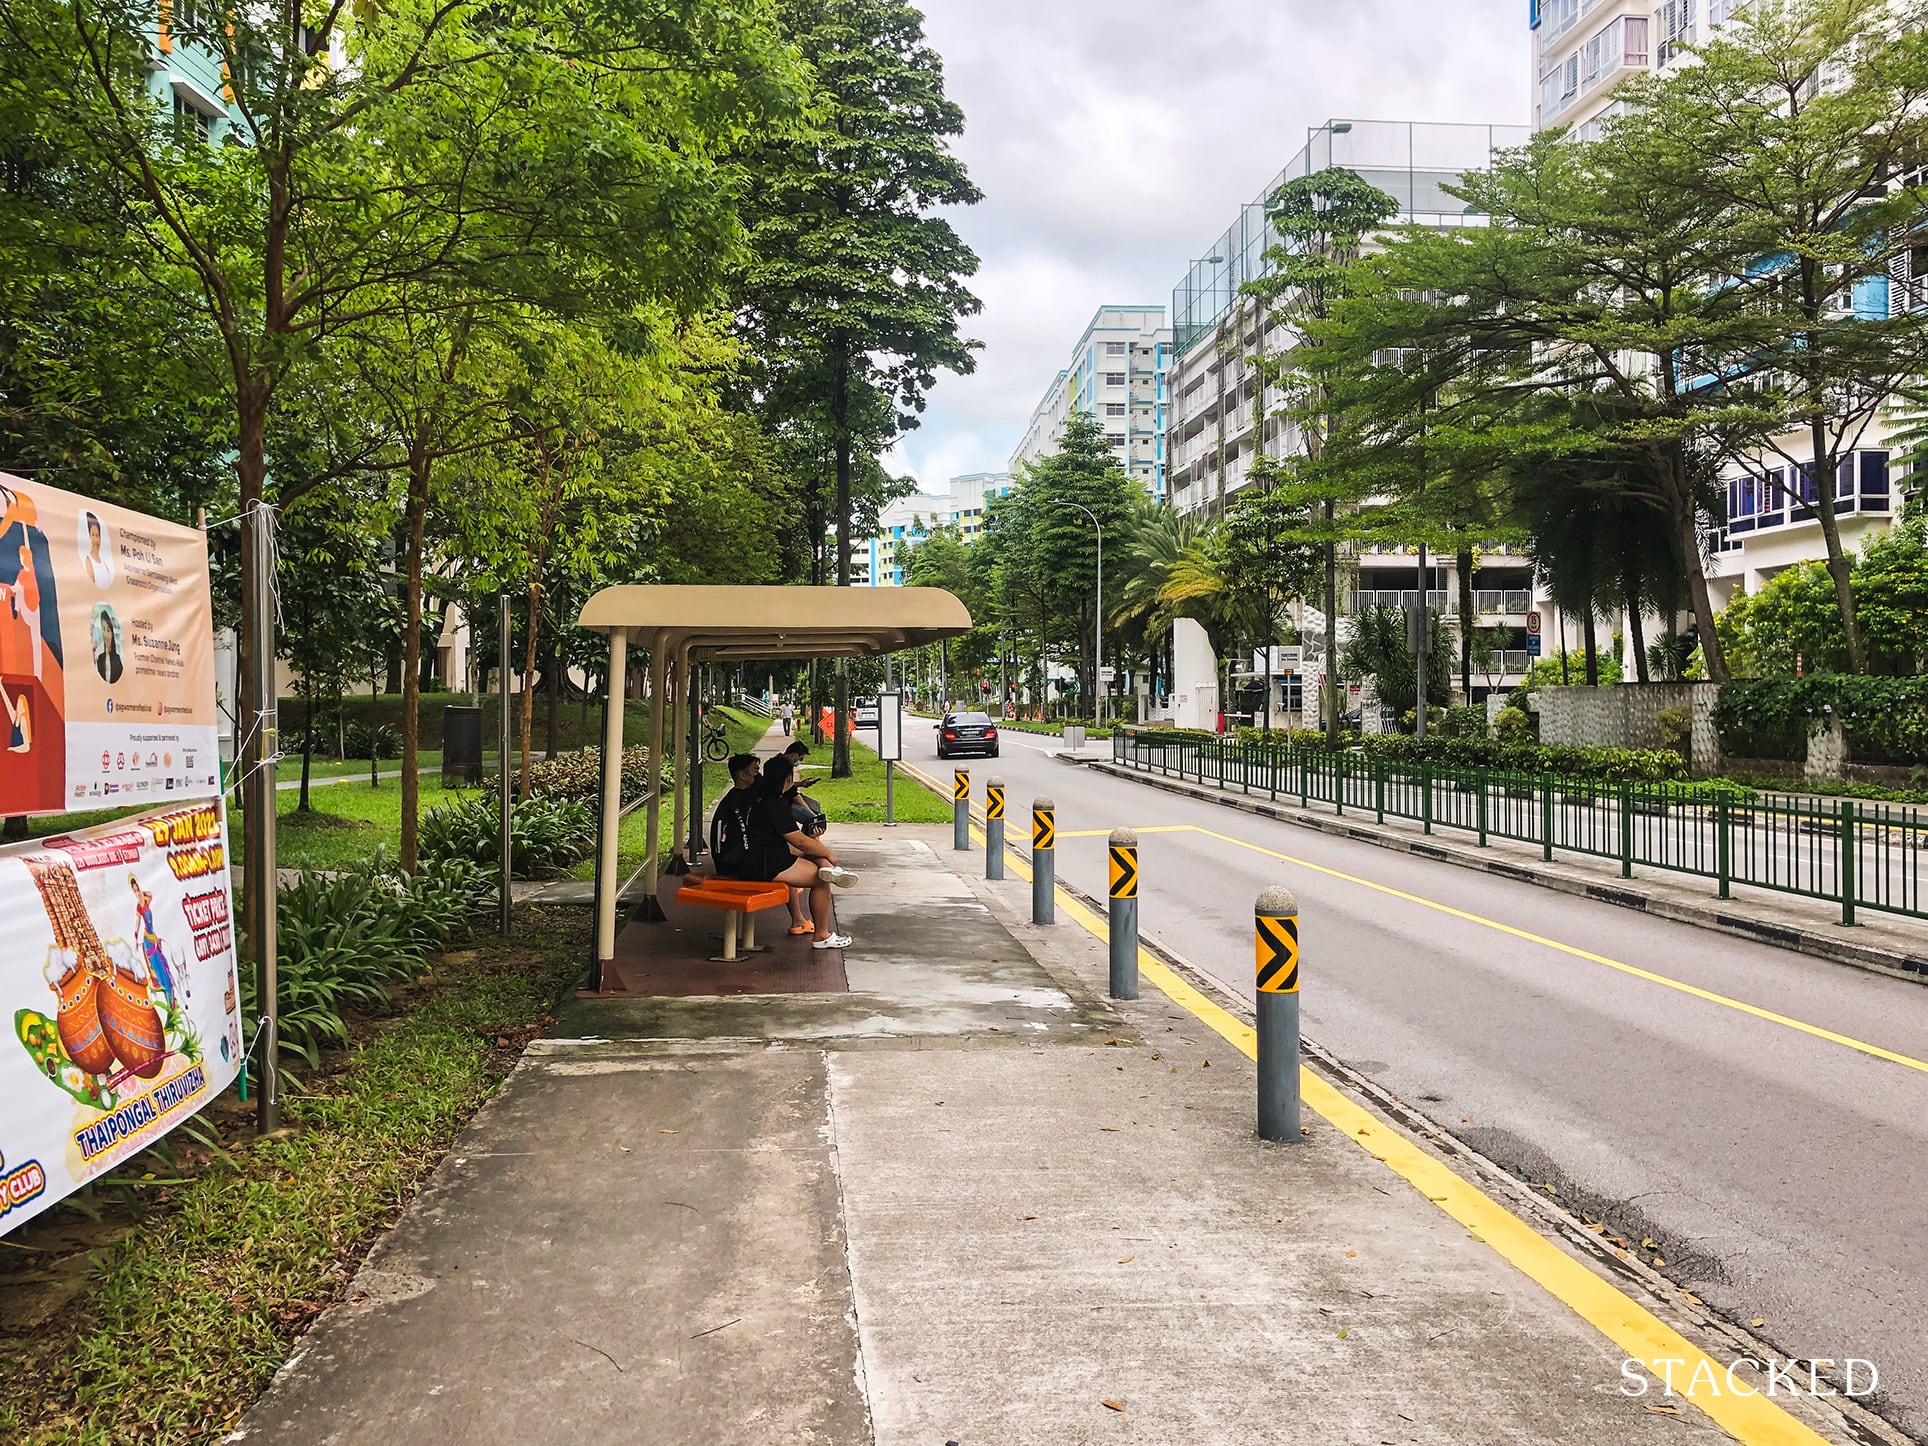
(1781, 1174)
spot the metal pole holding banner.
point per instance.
(1276, 936)
(505, 852)
(1044, 861)
(994, 829)
(961, 810)
(1124, 914)
(261, 806)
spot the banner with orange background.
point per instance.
(120, 990)
(106, 655)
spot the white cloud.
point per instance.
(1114, 141)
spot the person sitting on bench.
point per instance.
(780, 850)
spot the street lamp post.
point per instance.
(1098, 618)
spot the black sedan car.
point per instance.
(965, 733)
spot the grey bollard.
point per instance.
(994, 829)
(1276, 936)
(1044, 862)
(961, 810)
(1124, 914)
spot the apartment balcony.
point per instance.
(1512, 604)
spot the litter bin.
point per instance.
(461, 746)
(1074, 736)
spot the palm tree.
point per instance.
(1163, 545)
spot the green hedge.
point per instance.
(1581, 768)
(1886, 719)
(1616, 765)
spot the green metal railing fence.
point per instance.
(1855, 854)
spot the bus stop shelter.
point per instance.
(683, 628)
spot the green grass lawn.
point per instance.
(195, 1284)
(860, 797)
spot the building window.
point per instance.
(1117, 439)
(1114, 409)
(190, 123)
(1675, 20)
(1114, 348)
(1114, 379)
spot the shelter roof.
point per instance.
(774, 622)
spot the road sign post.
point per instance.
(961, 810)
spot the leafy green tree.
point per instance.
(1891, 598)
(1160, 543)
(1064, 494)
(336, 608)
(1787, 131)
(1596, 312)
(1324, 221)
(855, 289)
(369, 165)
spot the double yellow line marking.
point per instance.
(1754, 1420)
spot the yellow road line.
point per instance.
(1106, 833)
(1847, 1041)
(1752, 1419)
(1728, 1001)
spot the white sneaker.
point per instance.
(837, 874)
(835, 941)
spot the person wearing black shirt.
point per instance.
(729, 825)
(781, 851)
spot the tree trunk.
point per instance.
(416, 514)
(1840, 565)
(1672, 466)
(840, 746)
(1331, 663)
(251, 471)
(1587, 640)
(1463, 565)
(1636, 634)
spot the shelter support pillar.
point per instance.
(659, 714)
(684, 723)
(608, 885)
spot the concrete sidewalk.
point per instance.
(966, 1200)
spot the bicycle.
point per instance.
(716, 742)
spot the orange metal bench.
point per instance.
(740, 899)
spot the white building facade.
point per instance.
(879, 561)
(1215, 432)
(1117, 374)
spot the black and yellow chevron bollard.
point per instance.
(1044, 862)
(961, 810)
(994, 829)
(1123, 912)
(1275, 931)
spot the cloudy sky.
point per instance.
(1116, 139)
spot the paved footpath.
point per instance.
(967, 1201)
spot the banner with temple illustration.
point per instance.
(118, 979)
(106, 655)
